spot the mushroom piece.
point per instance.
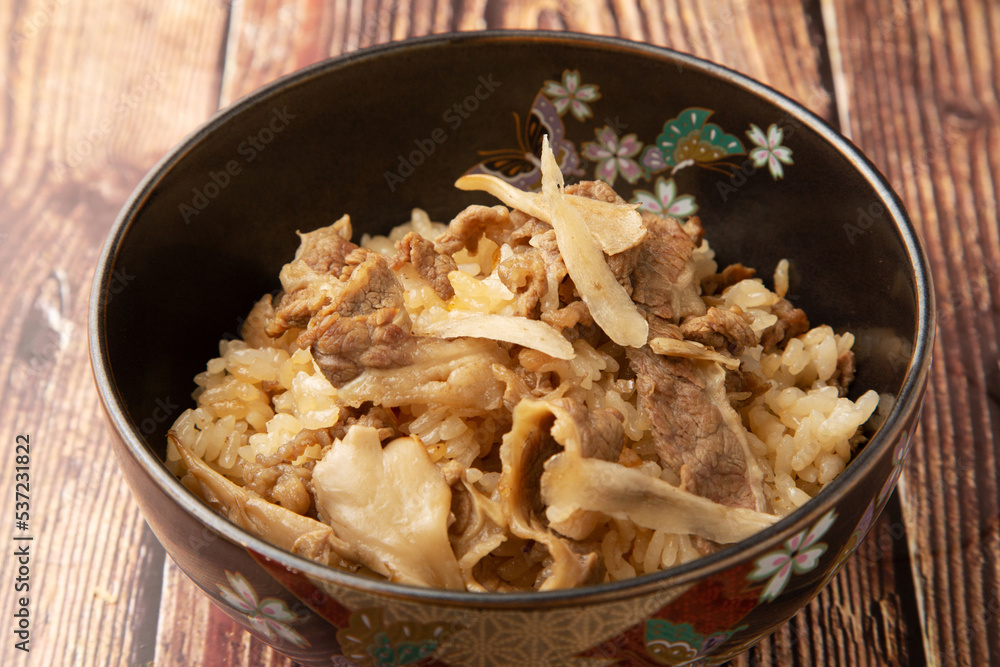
(571, 483)
(454, 373)
(478, 529)
(541, 430)
(281, 527)
(392, 504)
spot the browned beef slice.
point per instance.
(274, 478)
(295, 310)
(602, 433)
(569, 316)
(524, 275)
(363, 325)
(378, 417)
(598, 190)
(692, 226)
(791, 322)
(431, 265)
(602, 436)
(746, 384)
(729, 276)
(472, 224)
(662, 256)
(325, 250)
(622, 266)
(844, 374)
(721, 328)
(689, 431)
(659, 327)
(523, 228)
(283, 484)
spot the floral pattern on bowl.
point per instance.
(687, 140)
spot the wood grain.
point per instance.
(96, 92)
(922, 86)
(93, 98)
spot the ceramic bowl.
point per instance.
(378, 132)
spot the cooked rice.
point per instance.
(261, 392)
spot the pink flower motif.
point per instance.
(652, 160)
(769, 150)
(614, 155)
(800, 554)
(270, 617)
(665, 200)
(569, 94)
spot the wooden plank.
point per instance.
(93, 98)
(193, 631)
(922, 84)
(776, 42)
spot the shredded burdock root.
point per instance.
(554, 392)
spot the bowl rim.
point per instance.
(907, 403)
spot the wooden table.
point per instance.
(96, 91)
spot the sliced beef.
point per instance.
(723, 329)
(277, 480)
(692, 227)
(622, 266)
(729, 276)
(524, 275)
(325, 250)
(382, 419)
(691, 431)
(524, 227)
(662, 279)
(661, 328)
(844, 375)
(352, 321)
(791, 322)
(569, 316)
(367, 327)
(601, 430)
(294, 448)
(744, 386)
(295, 309)
(598, 190)
(472, 224)
(431, 265)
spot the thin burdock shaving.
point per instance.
(672, 347)
(572, 483)
(616, 227)
(609, 303)
(519, 330)
(281, 527)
